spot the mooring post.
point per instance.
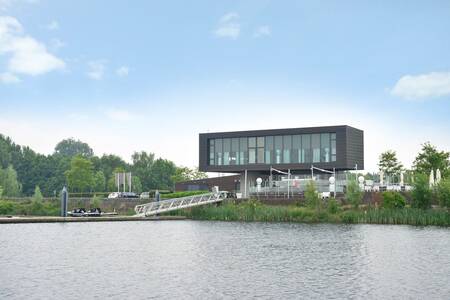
(64, 201)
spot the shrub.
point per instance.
(332, 206)
(443, 193)
(96, 201)
(421, 194)
(7, 207)
(353, 194)
(393, 200)
(1, 192)
(311, 196)
(37, 197)
(182, 194)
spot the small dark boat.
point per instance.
(93, 212)
(77, 212)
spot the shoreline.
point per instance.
(50, 219)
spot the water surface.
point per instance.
(210, 260)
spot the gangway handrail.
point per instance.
(157, 207)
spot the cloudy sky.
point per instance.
(151, 75)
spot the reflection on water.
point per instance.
(204, 260)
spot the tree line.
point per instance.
(73, 163)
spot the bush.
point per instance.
(443, 193)
(96, 201)
(353, 194)
(421, 194)
(332, 206)
(393, 200)
(311, 196)
(37, 197)
(182, 194)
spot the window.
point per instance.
(269, 150)
(305, 152)
(315, 145)
(226, 151)
(211, 152)
(278, 149)
(218, 149)
(260, 149)
(287, 145)
(296, 143)
(325, 147)
(251, 155)
(243, 151)
(333, 147)
(234, 154)
(252, 150)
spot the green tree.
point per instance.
(99, 181)
(421, 193)
(80, 176)
(185, 173)
(389, 164)
(142, 167)
(96, 201)
(71, 147)
(9, 182)
(353, 194)
(443, 193)
(1, 192)
(161, 176)
(136, 184)
(431, 159)
(37, 196)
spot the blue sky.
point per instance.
(151, 75)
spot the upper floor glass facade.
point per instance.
(273, 150)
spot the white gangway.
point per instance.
(157, 207)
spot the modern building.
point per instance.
(296, 151)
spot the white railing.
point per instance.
(153, 208)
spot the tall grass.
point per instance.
(252, 211)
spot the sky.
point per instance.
(151, 75)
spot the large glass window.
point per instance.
(300, 148)
(296, 143)
(211, 152)
(315, 145)
(243, 151)
(305, 152)
(278, 149)
(260, 150)
(226, 151)
(218, 149)
(325, 147)
(252, 150)
(234, 155)
(269, 150)
(333, 147)
(287, 145)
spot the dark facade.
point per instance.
(226, 183)
(328, 147)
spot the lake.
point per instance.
(221, 260)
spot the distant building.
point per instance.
(253, 154)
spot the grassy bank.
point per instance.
(30, 208)
(255, 212)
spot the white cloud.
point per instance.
(26, 55)
(228, 27)
(53, 25)
(122, 71)
(96, 69)
(420, 87)
(263, 31)
(119, 115)
(9, 78)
